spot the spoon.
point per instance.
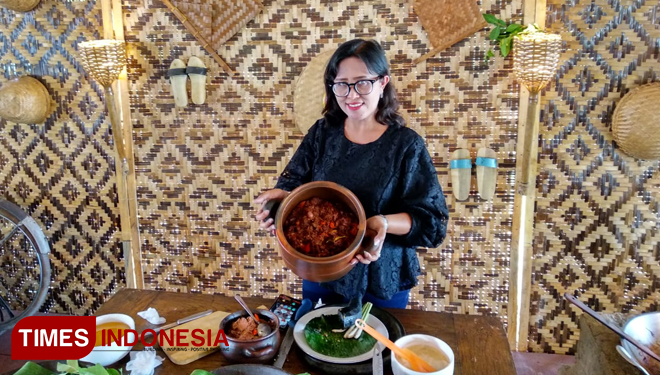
(263, 329)
(614, 328)
(628, 357)
(417, 363)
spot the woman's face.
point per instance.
(359, 106)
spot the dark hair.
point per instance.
(373, 56)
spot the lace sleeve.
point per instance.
(299, 169)
(422, 198)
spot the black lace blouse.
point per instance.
(391, 175)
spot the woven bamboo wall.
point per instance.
(199, 168)
(597, 215)
(62, 171)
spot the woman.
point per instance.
(362, 144)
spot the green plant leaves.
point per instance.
(494, 33)
(502, 33)
(514, 28)
(489, 54)
(505, 45)
(494, 20)
(200, 372)
(94, 370)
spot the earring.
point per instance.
(381, 95)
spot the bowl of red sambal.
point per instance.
(320, 226)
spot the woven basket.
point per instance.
(308, 93)
(19, 5)
(636, 122)
(24, 100)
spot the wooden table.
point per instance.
(479, 343)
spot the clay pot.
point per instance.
(24, 100)
(259, 350)
(321, 269)
(19, 5)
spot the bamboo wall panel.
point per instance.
(62, 171)
(597, 213)
(200, 167)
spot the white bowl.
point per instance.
(644, 328)
(108, 355)
(408, 340)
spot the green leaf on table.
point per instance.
(200, 372)
(31, 368)
(70, 367)
(112, 371)
(321, 338)
(495, 33)
(73, 363)
(97, 369)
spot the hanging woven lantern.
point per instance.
(103, 60)
(535, 58)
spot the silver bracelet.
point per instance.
(386, 223)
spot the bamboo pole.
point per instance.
(119, 113)
(130, 178)
(524, 202)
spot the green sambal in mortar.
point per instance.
(321, 338)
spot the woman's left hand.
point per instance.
(376, 224)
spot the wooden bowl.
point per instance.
(320, 269)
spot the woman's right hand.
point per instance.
(263, 214)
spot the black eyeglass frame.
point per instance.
(372, 81)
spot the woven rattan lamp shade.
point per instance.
(535, 58)
(103, 59)
(308, 93)
(636, 122)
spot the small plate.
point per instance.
(299, 336)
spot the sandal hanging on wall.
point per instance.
(486, 173)
(461, 173)
(196, 70)
(178, 77)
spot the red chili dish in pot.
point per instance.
(321, 228)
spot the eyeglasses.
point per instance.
(362, 87)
